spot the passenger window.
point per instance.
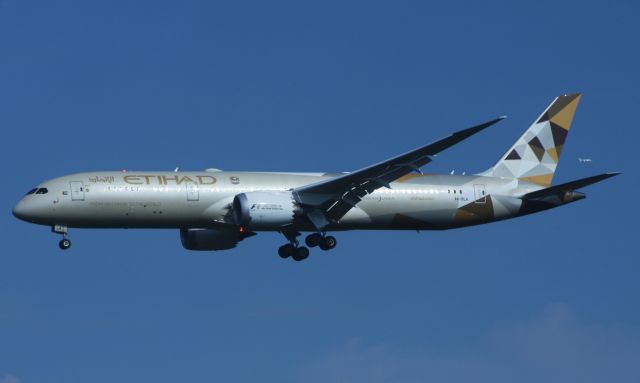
(31, 191)
(42, 191)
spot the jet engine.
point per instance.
(211, 239)
(264, 210)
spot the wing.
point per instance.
(328, 201)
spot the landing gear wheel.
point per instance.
(285, 251)
(64, 244)
(328, 243)
(313, 240)
(300, 254)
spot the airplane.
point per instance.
(215, 210)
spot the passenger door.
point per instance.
(193, 194)
(77, 190)
(481, 193)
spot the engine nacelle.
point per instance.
(209, 239)
(264, 210)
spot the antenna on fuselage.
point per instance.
(176, 170)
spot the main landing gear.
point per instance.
(65, 242)
(293, 248)
(299, 253)
(325, 242)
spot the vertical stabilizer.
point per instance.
(534, 157)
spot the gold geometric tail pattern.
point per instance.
(534, 157)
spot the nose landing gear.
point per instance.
(64, 243)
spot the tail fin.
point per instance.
(534, 157)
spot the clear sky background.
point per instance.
(319, 86)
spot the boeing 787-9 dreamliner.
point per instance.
(215, 210)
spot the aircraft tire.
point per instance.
(300, 254)
(313, 240)
(64, 244)
(328, 243)
(287, 250)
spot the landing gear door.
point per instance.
(77, 190)
(193, 194)
(481, 194)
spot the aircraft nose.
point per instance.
(20, 211)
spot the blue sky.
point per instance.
(302, 86)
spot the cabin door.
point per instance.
(77, 190)
(481, 193)
(193, 194)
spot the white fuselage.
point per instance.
(203, 199)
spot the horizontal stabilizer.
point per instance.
(568, 187)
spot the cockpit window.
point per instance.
(42, 191)
(31, 191)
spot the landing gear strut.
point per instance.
(293, 248)
(65, 242)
